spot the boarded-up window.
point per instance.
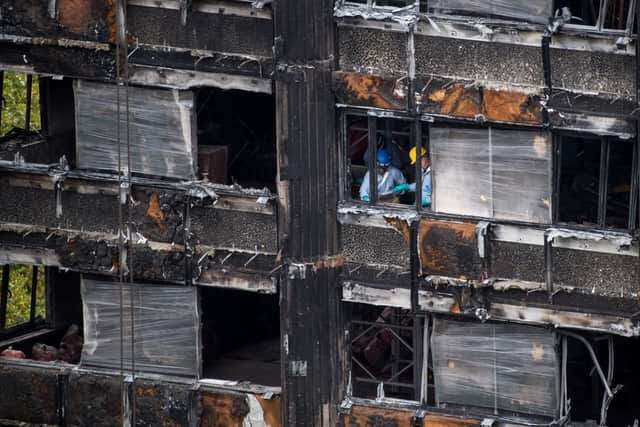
(492, 173)
(503, 367)
(161, 129)
(526, 10)
(165, 333)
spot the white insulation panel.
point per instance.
(161, 129)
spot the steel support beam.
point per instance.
(308, 155)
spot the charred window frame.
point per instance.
(34, 276)
(588, 161)
(387, 347)
(391, 5)
(608, 16)
(614, 17)
(353, 145)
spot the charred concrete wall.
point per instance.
(59, 397)
(203, 31)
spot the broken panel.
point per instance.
(382, 352)
(503, 367)
(237, 346)
(165, 332)
(160, 128)
(596, 181)
(236, 137)
(537, 11)
(449, 249)
(492, 173)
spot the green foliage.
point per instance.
(19, 301)
(14, 102)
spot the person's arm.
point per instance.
(364, 188)
(426, 189)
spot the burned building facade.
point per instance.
(197, 205)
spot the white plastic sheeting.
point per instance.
(523, 10)
(166, 332)
(162, 130)
(492, 173)
(502, 367)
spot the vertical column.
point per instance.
(308, 156)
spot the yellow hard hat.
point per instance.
(412, 154)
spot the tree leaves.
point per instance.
(14, 102)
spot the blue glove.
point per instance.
(400, 188)
(365, 198)
(425, 203)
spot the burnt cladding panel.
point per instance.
(593, 71)
(600, 273)
(161, 404)
(517, 261)
(376, 51)
(233, 229)
(473, 60)
(79, 211)
(373, 245)
(217, 32)
(28, 394)
(104, 394)
(86, 19)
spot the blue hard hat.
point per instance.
(383, 157)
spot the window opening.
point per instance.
(596, 181)
(393, 153)
(583, 12)
(616, 14)
(382, 352)
(23, 296)
(585, 388)
(602, 15)
(20, 93)
(237, 346)
(237, 138)
(49, 133)
(619, 183)
(537, 11)
(392, 4)
(49, 329)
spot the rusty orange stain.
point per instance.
(223, 409)
(146, 391)
(400, 226)
(111, 20)
(155, 212)
(271, 409)
(366, 88)
(455, 308)
(75, 15)
(363, 416)
(456, 101)
(329, 262)
(511, 106)
(444, 421)
(434, 258)
(168, 422)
